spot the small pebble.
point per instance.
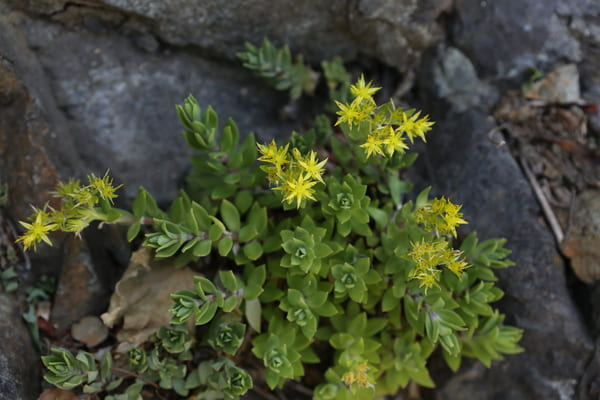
(90, 330)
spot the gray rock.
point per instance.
(117, 91)
(498, 202)
(19, 365)
(122, 98)
(461, 162)
(450, 77)
(44, 6)
(587, 29)
(589, 384)
(393, 31)
(503, 39)
(34, 154)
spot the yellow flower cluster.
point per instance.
(358, 375)
(103, 186)
(292, 173)
(389, 127)
(429, 256)
(89, 195)
(37, 230)
(441, 217)
(77, 210)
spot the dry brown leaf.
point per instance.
(581, 243)
(57, 394)
(142, 297)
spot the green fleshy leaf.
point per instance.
(453, 361)
(225, 245)
(422, 197)
(253, 250)
(230, 215)
(341, 341)
(223, 191)
(255, 279)
(389, 301)
(202, 248)
(229, 136)
(114, 384)
(133, 231)
(230, 304)
(216, 230)
(243, 200)
(92, 387)
(247, 233)
(106, 363)
(229, 280)
(206, 313)
(327, 309)
(322, 250)
(254, 314)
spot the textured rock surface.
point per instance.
(120, 101)
(32, 151)
(123, 99)
(393, 31)
(499, 203)
(452, 81)
(589, 383)
(82, 288)
(100, 78)
(89, 330)
(503, 39)
(462, 163)
(90, 267)
(19, 373)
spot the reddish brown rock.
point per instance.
(9, 85)
(24, 163)
(81, 290)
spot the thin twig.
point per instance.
(413, 391)
(498, 128)
(548, 213)
(298, 387)
(134, 375)
(241, 353)
(263, 393)
(281, 394)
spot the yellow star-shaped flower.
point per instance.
(363, 91)
(348, 113)
(311, 166)
(413, 126)
(373, 145)
(298, 188)
(37, 231)
(394, 141)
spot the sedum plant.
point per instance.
(278, 68)
(310, 251)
